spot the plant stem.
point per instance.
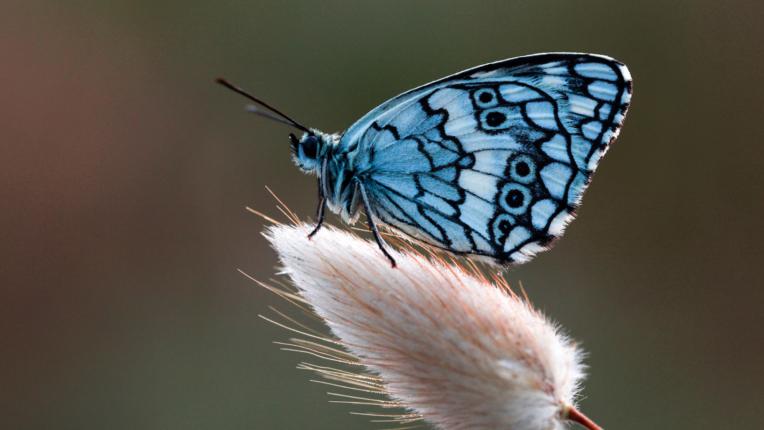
(574, 414)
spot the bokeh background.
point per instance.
(126, 172)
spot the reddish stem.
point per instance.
(574, 414)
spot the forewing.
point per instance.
(494, 160)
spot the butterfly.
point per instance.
(491, 161)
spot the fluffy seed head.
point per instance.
(462, 352)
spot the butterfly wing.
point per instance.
(494, 160)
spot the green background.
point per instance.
(126, 172)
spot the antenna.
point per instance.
(282, 117)
(255, 109)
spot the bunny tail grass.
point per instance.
(442, 341)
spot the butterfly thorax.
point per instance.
(320, 154)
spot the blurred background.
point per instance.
(126, 172)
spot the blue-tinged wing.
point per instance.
(493, 160)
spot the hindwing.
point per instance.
(494, 160)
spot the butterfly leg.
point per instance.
(320, 210)
(377, 236)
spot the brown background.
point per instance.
(125, 173)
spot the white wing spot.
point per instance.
(604, 111)
(527, 252)
(541, 212)
(518, 93)
(476, 213)
(484, 186)
(592, 129)
(603, 90)
(553, 81)
(555, 176)
(491, 161)
(542, 113)
(596, 71)
(582, 105)
(557, 227)
(517, 236)
(443, 97)
(477, 141)
(557, 148)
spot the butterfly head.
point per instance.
(309, 149)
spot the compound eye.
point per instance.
(310, 146)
